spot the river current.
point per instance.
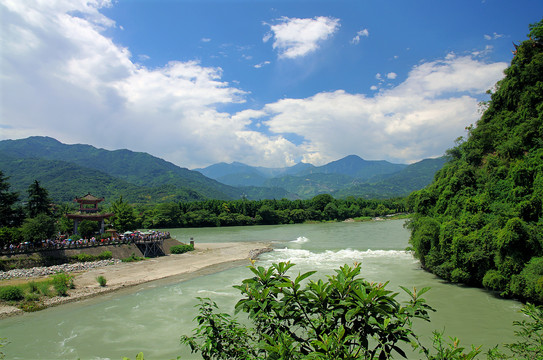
(151, 317)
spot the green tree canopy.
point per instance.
(481, 220)
(38, 200)
(10, 214)
(38, 228)
(124, 218)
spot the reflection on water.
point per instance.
(151, 318)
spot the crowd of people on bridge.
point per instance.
(63, 241)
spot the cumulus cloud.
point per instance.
(88, 90)
(294, 37)
(360, 34)
(392, 75)
(406, 123)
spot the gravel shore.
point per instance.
(50, 270)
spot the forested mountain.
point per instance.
(134, 167)
(357, 167)
(74, 170)
(481, 221)
(350, 176)
(64, 181)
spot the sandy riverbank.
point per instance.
(129, 274)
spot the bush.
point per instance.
(343, 317)
(44, 289)
(31, 296)
(101, 280)
(83, 257)
(180, 249)
(494, 280)
(11, 293)
(61, 282)
(133, 258)
(33, 286)
(105, 255)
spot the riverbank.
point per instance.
(123, 275)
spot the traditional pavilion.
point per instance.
(88, 210)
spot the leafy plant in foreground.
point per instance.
(344, 317)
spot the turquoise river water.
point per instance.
(151, 317)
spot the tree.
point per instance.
(38, 200)
(125, 218)
(88, 228)
(39, 228)
(10, 214)
(345, 317)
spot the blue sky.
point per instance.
(267, 83)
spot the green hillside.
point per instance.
(481, 221)
(136, 168)
(64, 181)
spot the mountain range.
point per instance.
(67, 171)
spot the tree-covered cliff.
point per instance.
(480, 221)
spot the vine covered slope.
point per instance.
(480, 221)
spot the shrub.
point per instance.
(101, 280)
(180, 249)
(83, 257)
(105, 255)
(494, 280)
(61, 282)
(44, 289)
(33, 286)
(132, 258)
(62, 289)
(11, 293)
(344, 317)
(31, 296)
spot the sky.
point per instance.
(265, 83)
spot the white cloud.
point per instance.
(264, 63)
(88, 90)
(494, 36)
(392, 75)
(206, 40)
(296, 37)
(361, 33)
(406, 123)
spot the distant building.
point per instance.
(88, 210)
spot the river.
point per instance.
(151, 317)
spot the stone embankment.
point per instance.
(50, 270)
(254, 254)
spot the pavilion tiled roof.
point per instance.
(89, 198)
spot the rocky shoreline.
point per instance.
(51, 270)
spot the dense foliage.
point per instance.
(342, 317)
(481, 221)
(10, 214)
(345, 317)
(264, 212)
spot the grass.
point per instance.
(35, 291)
